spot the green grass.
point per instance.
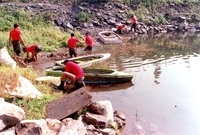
(34, 108)
(35, 29)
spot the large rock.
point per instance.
(96, 120)
(5, 58)
(38, 127)
(10, 114)
(72, 127)
(103, 108)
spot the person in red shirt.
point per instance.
(119, 28)
(34, 49)
(72, 45)
(15, 39)
(74, 73)
(88, 41)
(134, 23)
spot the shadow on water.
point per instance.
(108, 87)
(164, 99)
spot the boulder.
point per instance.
(10, 114)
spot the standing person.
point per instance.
(34, 50)
(74, 73)
(15, 39)
(134, 23)
(72, 45)
(88, 41)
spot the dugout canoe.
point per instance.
(95, 76)
(87, 60)
(109, 37)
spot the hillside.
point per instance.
(94, 17)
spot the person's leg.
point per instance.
(75, 54)
(16, 47)
(70, 52)
(64, 77)
(79, 83)
(131, 27)
(134, 26)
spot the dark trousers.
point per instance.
(16, 47)
(72, 51)
(134, 26)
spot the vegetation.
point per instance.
(35, 108)
(36, 29)
(82, 17)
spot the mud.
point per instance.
(45, 60)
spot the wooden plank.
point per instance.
(68, 104)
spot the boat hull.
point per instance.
(110, 37)
(87, 60)
(95, 76)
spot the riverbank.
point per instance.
(96, 17)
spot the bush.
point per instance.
(160, 19)
(82, 17)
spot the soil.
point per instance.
(45, 60)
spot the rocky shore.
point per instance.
(106, 15)
(100, 119)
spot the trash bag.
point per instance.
(5, 58)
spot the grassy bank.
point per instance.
(35, 108)
(35, 29)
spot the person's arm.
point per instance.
(81, 41)
(27, 55)
(22, 40)
(34, 56)
(9, 41)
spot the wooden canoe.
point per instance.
(87, 60)
(110, 37)
(95, 76)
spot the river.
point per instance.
(165, 97)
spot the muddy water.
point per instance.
(165, 97)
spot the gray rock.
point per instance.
(10, 114)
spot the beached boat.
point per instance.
(110, 37)
(87, 60)
(95, 76)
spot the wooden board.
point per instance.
(68, 104)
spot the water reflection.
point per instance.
(165, 98)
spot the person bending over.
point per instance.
(34, 50)
(74, 73)
(120, 28)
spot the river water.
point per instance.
(165, 97)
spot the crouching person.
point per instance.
(73, 77)
(34, 50)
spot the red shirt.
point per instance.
(134, 20)
(88, 40)
(72, 42)
(30, 48)
(120, 27)
(15, 34)
(75, 69)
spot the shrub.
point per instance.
(82, 17)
